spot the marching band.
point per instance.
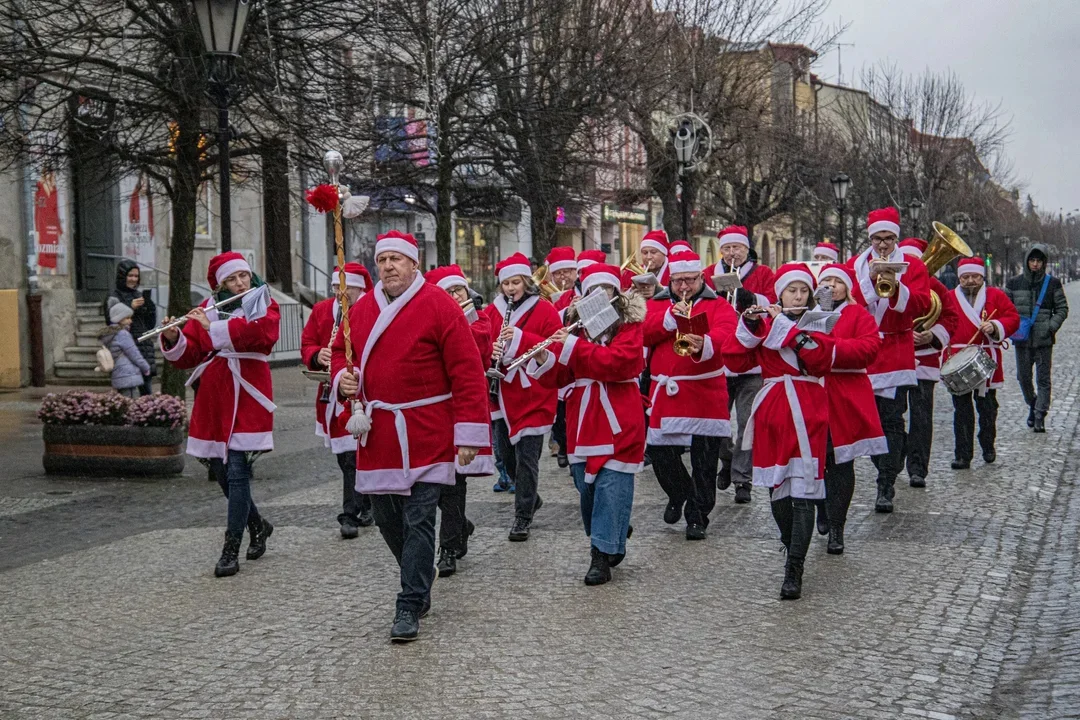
(775, 379)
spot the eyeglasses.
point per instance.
(683, 281)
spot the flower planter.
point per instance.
(116, 450)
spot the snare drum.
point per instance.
(967, 370)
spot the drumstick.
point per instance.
(985, 318)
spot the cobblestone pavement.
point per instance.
(961, 604)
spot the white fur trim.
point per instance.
(252, 441)
(511, 270)
(827, 252)
(791, 276)
(883, 226)
(176, 351)
(669, 321)
(343, 444)
(397, 245)
(892, 380)
(866, 447)
(911, 251)
(481, 465)
(512, 347)
(219, 335)
(568, 349)
(535, 370)
(927, 372)
(596, 279)
(452, 281)
(781, 326)
(971, 269)
(707, 350)
(582, 264)
(624, 467)
(746, 338)
(206, 448)
(585, 451)
(793, 484)
(475, 435)
(938, 330)
(710, 427)
(734, 238)
(650, 243)
(837, 274)
(391, 481)
(562, 265)
(903, 295)
(229, 268)
(1000, 330)
(684, 266)
(529, 432)
(351, 280)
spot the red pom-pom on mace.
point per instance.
(323, 198)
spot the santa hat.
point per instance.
(118, 312)
(224, 265)
(793, 272)
(516, 264)
(561, 258)
(971, 265)
(679, 246)
(446, 277)
(397, 242)
(657, 240)
(356, 275)
(587, 258)
(687, 261)
(599, 274)
(828, 250)
(734, 234)
(914, 247)
(846, 275)
(883, 220)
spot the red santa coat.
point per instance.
(331, 417)
(758, 279)
(928, 357)
(484, 462)
(789, 422)
(527, 407)
(688, 395)
(605, 427)
(853, 416)
(989, 301)
(895, 317)
(421, 384)
(234, 408)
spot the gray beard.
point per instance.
(971, 295)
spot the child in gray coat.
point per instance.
(129, 366)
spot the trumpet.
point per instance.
(184, 318)
(682, 343)
(886, 286)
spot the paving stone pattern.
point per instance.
(961, 604)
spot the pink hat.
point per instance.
(793, 272)
(883, 220)
(224, 265)
(397, 242)
(599, 274)
(446, 277)
(561, 258)
(679, 246)
(828, 250)
(590, 257)
(915, 247)
(972, 265)
(356, 275)
(846, 275)
(516, 264)
(657, 240)
(734, 234)
(687, 261)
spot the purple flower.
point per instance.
(80, 407)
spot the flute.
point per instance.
(184, 318)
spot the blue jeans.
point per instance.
(606, 504)
(407, 524)
(234, 477)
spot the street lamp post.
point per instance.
(1008, 241)
(960, 220)
(915, 210)
(840, 185)
(221, 23)
(986, 232)
(684, 142)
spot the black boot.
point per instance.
(822, 518)
(467, 531)
(1040, 422)
(520, 531)
(229, 564)
(885, 491)
(1031, 416)
(617, 558)
(723, 478)
(673, 512)
(600, 569)
(447, 564)
(742, 493)
(802, 531)
(792, 587)
(836, 539)
(259, 529)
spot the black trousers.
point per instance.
(964, 423)
(891, 411)
(697, 489)
(452, 506)
(920, 435)
(558, 430)
(1039, 360)
(407, 524)
(352, 502)
(839, 487)
(522, 463)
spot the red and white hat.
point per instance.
(793, 272)
(827, 249)
(971, 265)
(883, 220)
(657, 240)
(687, 261)
(599, 274)
(398, 242)
(913, 247)
(587, 258)
(446, 277)
(734, 234)
(224, 265)
(516, 264)
(356, 275)
(846, 275)
(679, 246)
(561, 258)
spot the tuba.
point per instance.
(542, 278)
(945, 246)
(633, 265)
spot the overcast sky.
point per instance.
(1023, 53)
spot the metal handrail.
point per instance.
(316, 268)
(157, 271)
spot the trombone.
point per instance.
(184, 318)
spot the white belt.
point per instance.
(605, 402)
(671, 383)
(233, 358)
(796, 412)
(399, 421)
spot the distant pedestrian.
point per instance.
(948, 277)
(129, 366)
(144, 319)
(1040, 301)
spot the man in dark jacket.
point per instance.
(1037, 350)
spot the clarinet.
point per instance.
(494, 375)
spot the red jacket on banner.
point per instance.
(234, 408)
(688, 395)
(992, 305)
(421, 384)
(527, 408)
(853, 415)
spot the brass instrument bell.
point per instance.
(542, 278)
(681, 346)
(945, 246)
(633, 265)
(885, 287)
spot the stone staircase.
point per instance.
(77, 367)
